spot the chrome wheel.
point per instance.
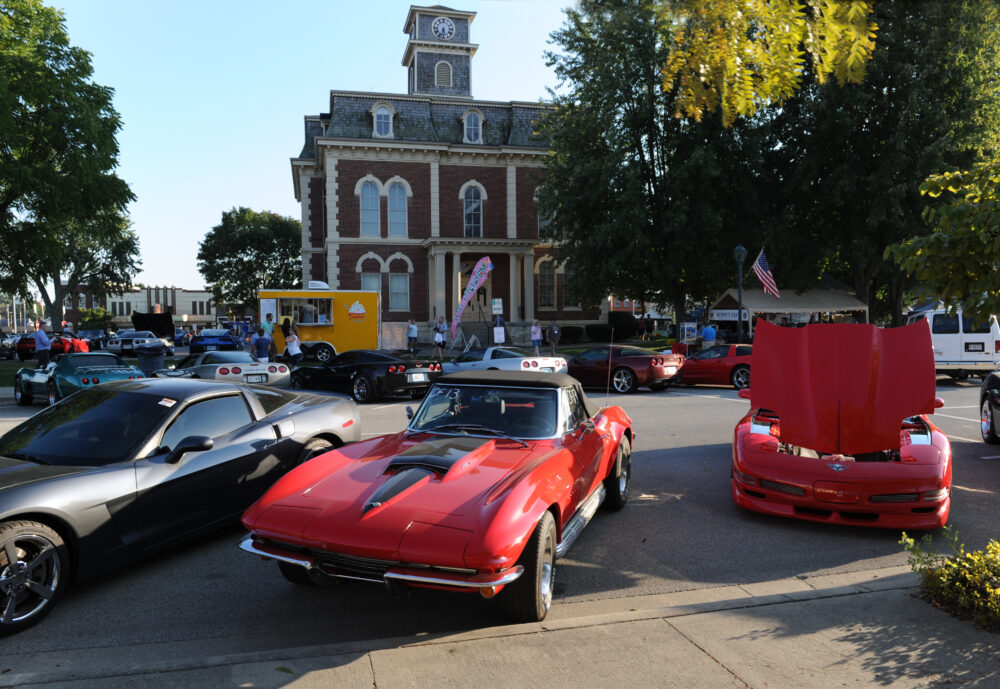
(20, 396)
(324, 353)
(53, 393)
(740, 377)
(31, 573)
(617, 485)
(986, 421)
(362, 389)
(623, 380)
(547, 576)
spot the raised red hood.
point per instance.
(843, 388)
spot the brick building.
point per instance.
(190, 308)
(405, 193)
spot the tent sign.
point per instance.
(726, 315)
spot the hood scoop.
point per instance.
(396, 484)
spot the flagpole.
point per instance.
(740, 254)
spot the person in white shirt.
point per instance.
(294, 348)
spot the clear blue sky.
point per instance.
(212, 95)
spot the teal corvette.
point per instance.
(69, 373)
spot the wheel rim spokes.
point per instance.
(986, 420)
(623, 476)
(29, 577)
(548, 573)
(621, 381)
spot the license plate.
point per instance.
(671, 370)
(256, 378)
(210, 348)
(417, 377)
(547, 369)
(974, 347)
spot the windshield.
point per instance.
(93, 427)
(210, 332)
(229, 358)
(80, 360)
(519, 412)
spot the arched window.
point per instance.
(547, 285)
(397, 210)
(369, 210)
(473, 212)
(473, 128)
(383, 121)
(442, 74)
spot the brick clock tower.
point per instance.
(405, 193)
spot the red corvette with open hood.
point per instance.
(837, 431)
(495, 477)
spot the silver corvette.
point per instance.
(232, 367)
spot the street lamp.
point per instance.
(740, 254)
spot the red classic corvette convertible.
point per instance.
(496, 475)
(837, 430)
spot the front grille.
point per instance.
(352, 565)
(782, 487)
(895, 497)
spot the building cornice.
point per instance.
(441, 245)
(419, 46)
(437, 11)
(447, 100)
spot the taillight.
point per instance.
(534, 364)
(525, 364)
(775, 430)
(223, 371)
(282, 369)
(401, 368)
(272, 369)
(392, 369)
(95, 381)
(237, 369)
(996, 345)
(85, 381)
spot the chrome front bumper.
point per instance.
(404, 573)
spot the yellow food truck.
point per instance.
(328, 321)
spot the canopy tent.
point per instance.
(813, 301)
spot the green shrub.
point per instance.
(965, 583)
(598, 332)
(624, 324)
(571, 334)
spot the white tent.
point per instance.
(797, 307)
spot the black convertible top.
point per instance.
(526, 379)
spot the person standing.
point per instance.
(293, 347)
(411, 337)
(552, 332)
(43, 345)
(260, 344)
(268, 324)
(440, 328)
(536, 336)
(707, 336)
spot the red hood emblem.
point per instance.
(843, 388)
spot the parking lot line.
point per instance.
(958, 418)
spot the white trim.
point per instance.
(465, 125)
(396, 179)
(405, 188)
(383, 268)
(393, 257)
(392, 119)
(369, 178)
(471, 183)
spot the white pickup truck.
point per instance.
(961, 347)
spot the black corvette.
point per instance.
(118, 470)
(368, 375)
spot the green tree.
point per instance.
(642, 204)
(739, 56)
(957, 262)
(844, 164)
(249, 251)
(59, 196)
(95, 319)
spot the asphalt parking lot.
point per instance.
(680, 532)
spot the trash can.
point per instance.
(150, 357)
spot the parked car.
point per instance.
(8, 345)
(232, 367)
(26, 345)
(94, 337)
(626, 368)
(214, 339)
(119, 470)
(182, 337)
(496, 475)
(989, 407)
(125, 342)
(504, 359)
(961, 347)
(368, 375)
(69, 373)
(838, 430)
(718, 365)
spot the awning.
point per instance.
(808, 302)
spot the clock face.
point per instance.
(443, 28)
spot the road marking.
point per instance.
(967, 406)
(710, 397)
(958, 418)
(990, 457)
(968, 440)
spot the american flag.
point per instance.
(763, 273)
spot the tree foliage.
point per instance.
(95, 319)
(249, 251)
(957, 262)
(741, 55)
(61, 205)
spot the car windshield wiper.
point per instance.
(25, 456)
(472, 428)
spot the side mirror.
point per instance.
(409, 413)
(744, 393)
(193, 443)
(588, 426)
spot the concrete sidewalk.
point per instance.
(865, 629)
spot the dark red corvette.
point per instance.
(719, 365)
(495, 477)
(625, 368)
(837, 430)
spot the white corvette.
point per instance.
(232, 367)
(504, 359)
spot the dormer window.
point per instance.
(473, 127)
(382, 118)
